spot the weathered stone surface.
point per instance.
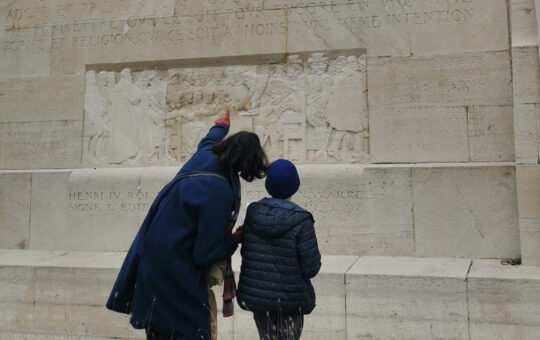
(465, 212)
(42, 99)
(98, 210)
(528, 196)
(527, 138)
(423, 103)
(24, 53)
(526, 75)
(419, 134)
(48, 144)
(91, 209)
(491, 133)
(14, 210)
(449, 80)
(328, 319)
(318, 29)
(523, 20)
(503, 301)
(412, 27)
(307, 110)
(50, 13)
(407, 298)
(357, 210)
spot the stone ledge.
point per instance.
(51, 294)
(375, 210)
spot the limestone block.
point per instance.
(50, 14)
(407, 298)
(527, 138)
(503, 301)
(526, 74)
(73, 286)
(528, 195)
(42, 99)
(443, 80)
(198, 8)
(357, 210)
(466, 212)
(327, 321)
(47, 144)
(17, 284)
(523, 21)
(255, 32)
(412, 27)
(423, 103)
(14, 210)
(16, 317)
(91, 209)
(315, 29)
(491, 133)
(25, 52)
(420, 134)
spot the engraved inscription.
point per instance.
(109, 201)
(45, 144)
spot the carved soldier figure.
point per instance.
(319, 86)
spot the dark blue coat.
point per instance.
(279, 257)
(162, 281)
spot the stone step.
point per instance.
(61, 295)
(426, 210)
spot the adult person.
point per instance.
(162, 282)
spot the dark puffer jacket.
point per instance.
(279, 257)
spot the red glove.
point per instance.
(239, 233)
(225, 120)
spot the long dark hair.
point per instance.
(243, 152)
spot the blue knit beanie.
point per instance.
(282, 179)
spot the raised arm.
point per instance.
(217, 132)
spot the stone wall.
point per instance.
(415, 125)
(133, 85)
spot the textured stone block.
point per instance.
(50, 14)
(491, 133)
(526, 74)
(503, 301)
(34, 145)
(42, 99)
(527, 139)
(420, 134)
(327, 321)
(466, 212)
(25, 52)
(528, 196)
(440, 80)
(14, 210)
(357, 210)
(91, 209)
(412, 27)
(407, 298)
(523, 23)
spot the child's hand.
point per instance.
(238, 233)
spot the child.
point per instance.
(279, 257)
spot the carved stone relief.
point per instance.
(311, 110)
